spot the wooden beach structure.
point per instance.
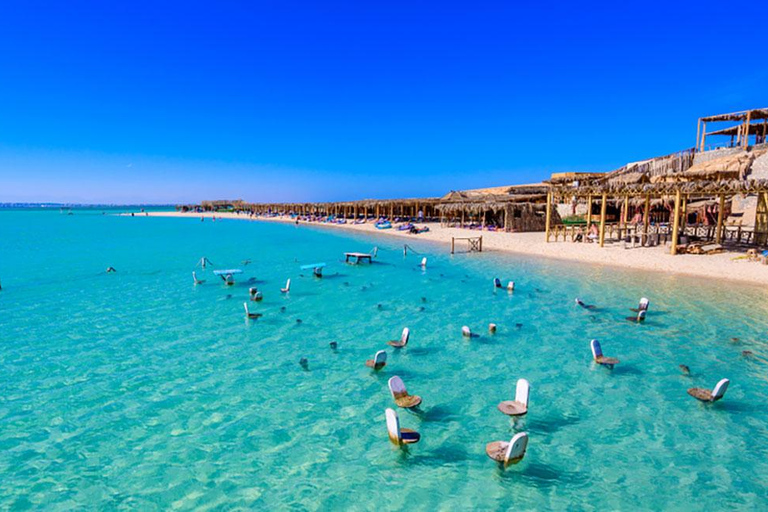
(691, 199)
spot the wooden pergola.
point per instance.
(749, 123)
(681, 192)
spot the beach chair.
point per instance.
(400, 394)
(195, 279)
(597, 354)
(248, 314)
(640, 318)
(403, 341)
(287, 287)
(379, 360)
(423, 262)
(642, 306)
(706, 395)
(399, 436)
(510, 452)
(466, 332)
(582, 304)
(518, 406)
(496, 282)
(511, 286)
(255, 294)
(492, 328)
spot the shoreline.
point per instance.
(651, 259)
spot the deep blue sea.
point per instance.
(139, 390)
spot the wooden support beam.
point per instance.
(646, 214)
(548, 215)
(675, 223)
(746, 130)
(589, 211)
(602, 219)
(703, 136)
(720, 213)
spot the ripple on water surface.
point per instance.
(138, 389)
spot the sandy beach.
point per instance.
(654, 259)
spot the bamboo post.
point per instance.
(453, 244)
(703, 135)
(746, 129)
(684, 213)
(602, 219)
(698, 131)
(646, 216)
(481, 243)
(720, 212)
(589, 210)
(675, 224)
(549, 214)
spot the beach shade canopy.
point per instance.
(400, 394)
(510, 452)
(706, 395)
(403, 341)
(519, 405)
(399, 436)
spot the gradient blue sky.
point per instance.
(135, 101)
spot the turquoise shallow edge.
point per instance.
(138, 389)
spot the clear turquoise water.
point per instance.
(139, 390)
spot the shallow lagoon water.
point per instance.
(140, 390)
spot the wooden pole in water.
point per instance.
(548, 214)
(675, 223)
(603, 205)
(720, 212)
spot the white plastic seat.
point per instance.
(510, 452)
(399, 436)
(400, 394)
(706, 395)
(379, 360)
(403, 341)
(518, 406)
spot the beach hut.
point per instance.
(400, 394)
(510, 452)
(379, 360)
(518, 406)
(403, 341)
(397, 435)
(705, 395)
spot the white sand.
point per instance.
(656, 259)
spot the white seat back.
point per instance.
(517, 447)
(288, 285)
(405, 336)
(194, 276)
(396, 386)
(245, 305)
(641, 315)
(424, 261)
(511, 286)
(522, 391)
(466, 331)
(496, 282)
(380, 357)
(720, 389)
(393, 426)
(644, 303)
(597, 350)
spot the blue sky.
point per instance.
(130, 102)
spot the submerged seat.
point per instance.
(518, 406)
(287, 287)
(379, 360)
(510, 452)
(706, 395)
(255, 294)
(466, 332)
(597, 354)
(400, 394)
(403, 341)
(423, 262)
(640, 318)
(399, 436)
(195, 279)
(511, 286)
(496, 282)
(642, 306)
(248, 314)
